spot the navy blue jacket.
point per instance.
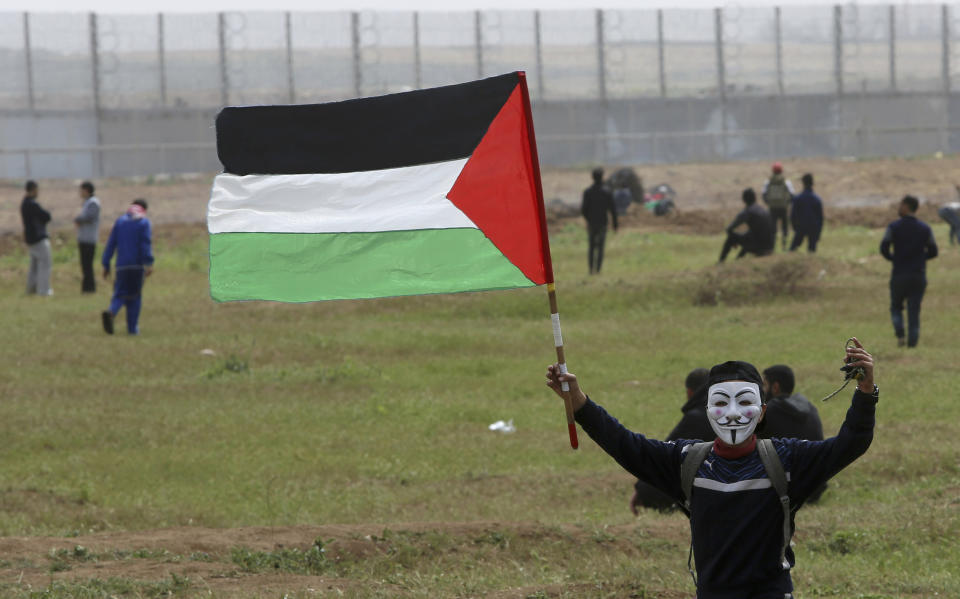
(806, 213)
(130, 238)
(737, 554)
(913, 244)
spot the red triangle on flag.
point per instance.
(497, 190)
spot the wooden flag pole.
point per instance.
(547, 261)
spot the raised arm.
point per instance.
(654, 462)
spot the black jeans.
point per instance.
(799, 236)
(747, 245)
(779, 214)
(597, 238)
(909, 287)
(87, 251)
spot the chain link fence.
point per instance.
(100, 94)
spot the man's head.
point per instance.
(807, 180)
(31, 188)
(908, 206)
(778, 380)
(142, 203)
(734, 401)
(777, 168)
(697, 378)
(86, 189)
(749, 196)
(597, 174)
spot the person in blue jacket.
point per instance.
(806, 216)
(736, 518)
(908, 242)
(130, 239)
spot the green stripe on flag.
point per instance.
(304, 267)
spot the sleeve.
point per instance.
(42, 215)
(790, 187)
(763, 192)
(88, 214)
(109, 248)
(885, 244)
(739, 220)
(931, 245)
(657, 463)
(815, 462)
(146, 244)
(583, 205)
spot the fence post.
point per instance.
(721, 78)
(355, 42)
(778, 36)
(161, 60)
(224, 77)
(945, 47)
(838, 48)
(660, 55)
(601, 60)
(718, 33)
(893, 47)
(478, 41)
(539, 49)
(28, 58)
(95, 70)
(288, 34)
(417, 66)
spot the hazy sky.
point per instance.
(152, 6)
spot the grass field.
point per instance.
(341, 448)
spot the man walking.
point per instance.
(88, 228)
(912, 245)
(806, 216)
(597, 202)
(777, 193)
(130, 238)
(759, 237)
(35, 221)
(950, 213)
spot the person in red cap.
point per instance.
(778, 193)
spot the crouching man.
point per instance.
(740, 524)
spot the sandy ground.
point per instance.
(700, 187)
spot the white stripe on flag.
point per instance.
(398, 199)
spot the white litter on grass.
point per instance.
(207, 352)
(503, 427)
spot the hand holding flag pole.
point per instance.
(547, 261)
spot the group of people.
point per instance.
(802, 211)
(741, 491)
(788, 415)
(130, 239)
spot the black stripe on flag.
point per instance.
(396, 130)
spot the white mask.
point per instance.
(733, 409)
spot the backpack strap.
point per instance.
(696, 453)
(778, 478)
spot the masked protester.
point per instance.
(740, 539)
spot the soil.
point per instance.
(863, 192)
(203, 555)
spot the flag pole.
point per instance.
(547, 261)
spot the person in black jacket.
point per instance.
(740, 540)
(759, 237)
(693, 425)
(597, 202)
(35, 221)
(912, 245)
(789, 415)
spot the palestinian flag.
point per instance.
(429, 191)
